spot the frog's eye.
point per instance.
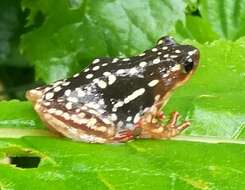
(188, 65)
(166, 40)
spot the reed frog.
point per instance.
(118, 99)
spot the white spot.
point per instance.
(96, 80)
(96, 61)
(136, 118)
(160, 42)
(101, 102)
(154, 49)
(130, 126)
(115, 60)
(166, 55)
(133, 71)
(159, 53)
(113, 117)
(72, 99)
(93, 105)
(86, 70)
(156, 61)
(58, 112)
(189, 60)
(106, 121)
(192, 52)
(142, 54)
(68, 92)
(146, 109)
(76, 75)
(104, 64)
(92, 122)
(80, 93)
(84, 108)
(66, 116)
(120, 124)
(134, 95)
(106, 73)
(120, 71)
(68, 106)
(143, 64)
(119, 104)
(102, 129)
(176, 68)
(47, 103)
(157, 97)
(82, 115)
(164, 47)
(95, 68)
(129, 118)
(173, 56)
(49, 95)
(77, 110)
(57, 83)
(57, 89)
(89, 76)
(60, 100)
(153, 83)
(177, 51)
(46, 89)
(91, 138)
(111, 79)
(51, 110)
(102, 84)
(126, 59)
(83, 121)
(66, 83)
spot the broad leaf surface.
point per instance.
(226, 17)
(223, 19)
(90, 29)
(135, 165)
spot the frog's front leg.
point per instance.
(151, 128)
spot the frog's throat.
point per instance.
(164, 100)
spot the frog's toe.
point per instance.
(171, 129)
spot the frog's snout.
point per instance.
(192, 60)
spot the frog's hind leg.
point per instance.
(152, 129)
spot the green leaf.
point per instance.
(214, 20)
(195, 28)
(89, 29)
(226, 17)
(16, 114)
(135, 165)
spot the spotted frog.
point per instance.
(118, 99)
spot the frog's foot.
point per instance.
(123, 136)
(158, 131)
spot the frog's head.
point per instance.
(179, 61)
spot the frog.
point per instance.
(116, 100)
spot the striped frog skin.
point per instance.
(118, 99)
